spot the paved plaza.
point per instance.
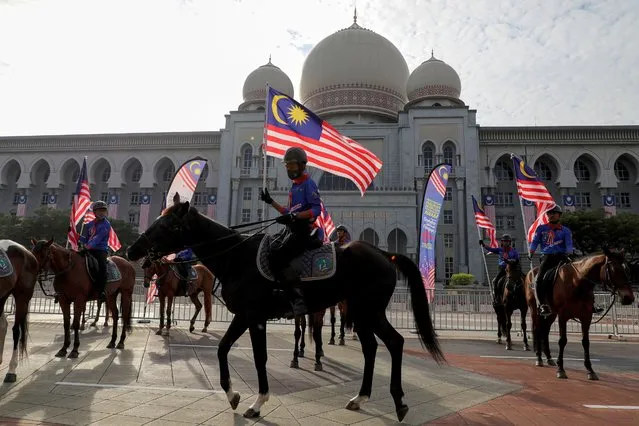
(174, 380)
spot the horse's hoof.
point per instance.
(509, 347)
(295, 364)
(73, 354)
(591, 376)
(319, 367)
(61, 353)
(106, 324)
(342, 342)
(301, 354)
(539, 363)
(235, 401)
(526, 348)
(551, 363)
(498, 341)
(205, 330)
(111, 345)
(191, 328)
(120, 345)
(82, 327)
(401, 412)
(251, 413)
(561, 374)
(158, 333)
(10, 378)
(93, 324)
(331, 342)
(352, 405)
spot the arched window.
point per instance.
(247, 158)
(449, 155)
(503, 171)
(582, 172)
(621, 171)
(370, 236)
(428, 154)
(137, 174)
(169, 171)
(543, 171)
(76, 174)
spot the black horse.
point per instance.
(365, 278)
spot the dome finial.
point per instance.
(355, 14)
(269, 59)
(432, 53)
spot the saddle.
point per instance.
(550, 276)
(191, 274)
(113, 272)
(6, 267)
(312, 265)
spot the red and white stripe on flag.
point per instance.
(325, 222)
(152, 292)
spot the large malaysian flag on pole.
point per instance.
(185, 181)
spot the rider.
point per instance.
(181, 262)
(506, 253)
(343, 236)
(304, 205)
(96, 241)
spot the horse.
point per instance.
(573, 297)
(97, 317)
(73, 284)
(513, 297)
(365, 277)
(168, 281)
(18, 275)
(342, 323)
(315, 334)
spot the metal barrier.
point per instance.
(452, 309)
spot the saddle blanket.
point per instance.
(113, 272)
(192, 273)
(312, 265)
(6, 267)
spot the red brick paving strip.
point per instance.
(544, 399)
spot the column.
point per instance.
(462, 251)
(235, 187)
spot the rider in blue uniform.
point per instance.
(185, 256)
(506, 253)
(304, 205)
(343, 236)
(95, 238)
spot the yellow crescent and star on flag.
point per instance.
(296, 115)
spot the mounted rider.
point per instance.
(95, 239)
(506, 254)
(343, 235)
(183, 266)
(304, 205)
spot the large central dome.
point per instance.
(355, 71)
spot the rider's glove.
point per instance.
(286, 219)
(265, 196)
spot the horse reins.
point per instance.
(49, 257)
(603, 282)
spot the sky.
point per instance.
(113, 66)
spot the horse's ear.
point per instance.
(50, 241)
(176, 198)
(606, 251)
(34, 241)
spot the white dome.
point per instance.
(357, 71)
(433, 79)
(254, 90)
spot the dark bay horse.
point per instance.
(167, 283)
(573, 298)
(513, 297)
(366, 277)
(73, 284)
(97, 316)
(19, 278)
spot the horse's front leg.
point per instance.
(79, 305)
(97, 315)
(260, 356)
(563, 339)
(524, 311)
(295, 363)
(342, 326)
(111, 305)
(500, 323)
(332, 340)
(162, 298)
(237, 327)
(169, 308)
(369, 348)
(536, 333)
(302, 342)
(198, 308)
(65, 306)
(585, 342)
(508, 312)
(319, 351)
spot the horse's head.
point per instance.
(513, 268)
(169, 233)
(42, 251)
(150, 268)
(616, 275)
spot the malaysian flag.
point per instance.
(325, 222)
(609, 205)
(185, 181)
(22, 205)
(81, 203)
(569, 203)
(152, 292)
(145, 207)
(488, 202)
(529, 213)
(210, 210)
(290, 124)
(532, 189)
(483, 221)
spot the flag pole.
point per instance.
(483, 252)
(523, 218)
(265, 167)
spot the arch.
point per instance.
(91, 164)
(162, 167)
(427, 154)
(495, 158)
(449, 152)
(46, 159)
(589, 157)
(40, 172)
(626, 168)
(101, 168)
(129, 168)
(503, 169)
(631, 155)
(246, 156)
(397, 241)
(549, 161)
(68, 171)
(11, 166)
(244, 146)
(370, 236)
(551, 156)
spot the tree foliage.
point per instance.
(47, 223)
(591, 231)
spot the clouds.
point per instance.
(76, 66)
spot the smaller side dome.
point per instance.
(433, 79)
(254, 90)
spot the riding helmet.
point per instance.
(295, 154)
(341, 228)
(506, 237)
(99, 205)
(555, 209)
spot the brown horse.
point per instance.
(73, 284)
(97, 317)
(315, 334)
(573, 297)
(18, 279)
(513, 297)
(167, 282)
(342, 323)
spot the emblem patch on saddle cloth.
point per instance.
(6, 268)
(113, 272)
(192, 273)
(312, 265)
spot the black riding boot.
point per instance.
(292, 281)
(544, 308)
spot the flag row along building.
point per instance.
(359, 82)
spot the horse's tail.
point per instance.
(419, 303)
(346, 317)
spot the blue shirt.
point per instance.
(96, 235)
(552, 239)
(511, 254)
(186, 254)
(303, 196)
